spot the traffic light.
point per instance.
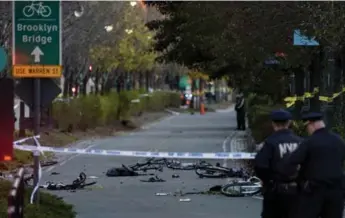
(280, 54)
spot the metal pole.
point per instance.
(21, 119)
(37, 119)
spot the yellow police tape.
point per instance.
(292, 100)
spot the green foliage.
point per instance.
(198, 34)
(129, 46)
(92, 110)
(340, 130)
(299, 128)
(259, 121)
(258, 110)
(50, 205)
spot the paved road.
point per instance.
(128, 197)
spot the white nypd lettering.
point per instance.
(285, 148)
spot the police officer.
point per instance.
(279, 191)
(321, 157)
(240, 112)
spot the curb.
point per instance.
(149, 125)
(231, 108)
(172, 112)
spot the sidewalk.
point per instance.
(221, 106)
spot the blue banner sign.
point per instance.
(301, 40)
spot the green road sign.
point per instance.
(3, 59)
(37, 38)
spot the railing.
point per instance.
(16, 196)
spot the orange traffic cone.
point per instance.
(202, 109)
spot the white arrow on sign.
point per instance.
(37, 52)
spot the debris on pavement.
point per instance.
(54, 173)
(153, 179)
(214, 190)
(79, 183)
(185, 199)
(125, 171)
(174, 176)
(92, 177)
(162, 194)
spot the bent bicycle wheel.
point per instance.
(210, 173)
(48, 163)
(240, 189)
(182, 167)
(88, 184)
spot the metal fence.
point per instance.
(16, 196)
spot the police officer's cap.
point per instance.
(280, 115)
(312, 116)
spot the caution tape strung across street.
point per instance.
(292, 100)
(174, 155)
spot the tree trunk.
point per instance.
(337, 88)
(342, 97)
(193, 92)
(103, 87)
(97, 78)
(141, 80)
(65, 87)
(133, 80)
(84, 85)
(70, 86)
(120, 83)
(147, 80)
(201, 91)
(299, 81)
(76, 86)
(315, 81)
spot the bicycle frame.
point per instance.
(36, 6)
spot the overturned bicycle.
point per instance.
(201, 168)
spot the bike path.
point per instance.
(127, 197)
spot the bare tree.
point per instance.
(5, 31)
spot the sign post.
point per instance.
(37, 39)
(37, 51)
(302, 40)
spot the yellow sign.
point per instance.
(37, 71)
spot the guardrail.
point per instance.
(16, 196)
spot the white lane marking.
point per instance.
(148, 126)
(257, 197)
(231, 108)
(193, 126)
(68, 159)
(172, 112)
(91, 146)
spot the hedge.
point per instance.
(50, 206)
(259, 108)
(94, 110)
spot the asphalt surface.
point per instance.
(127, 197)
